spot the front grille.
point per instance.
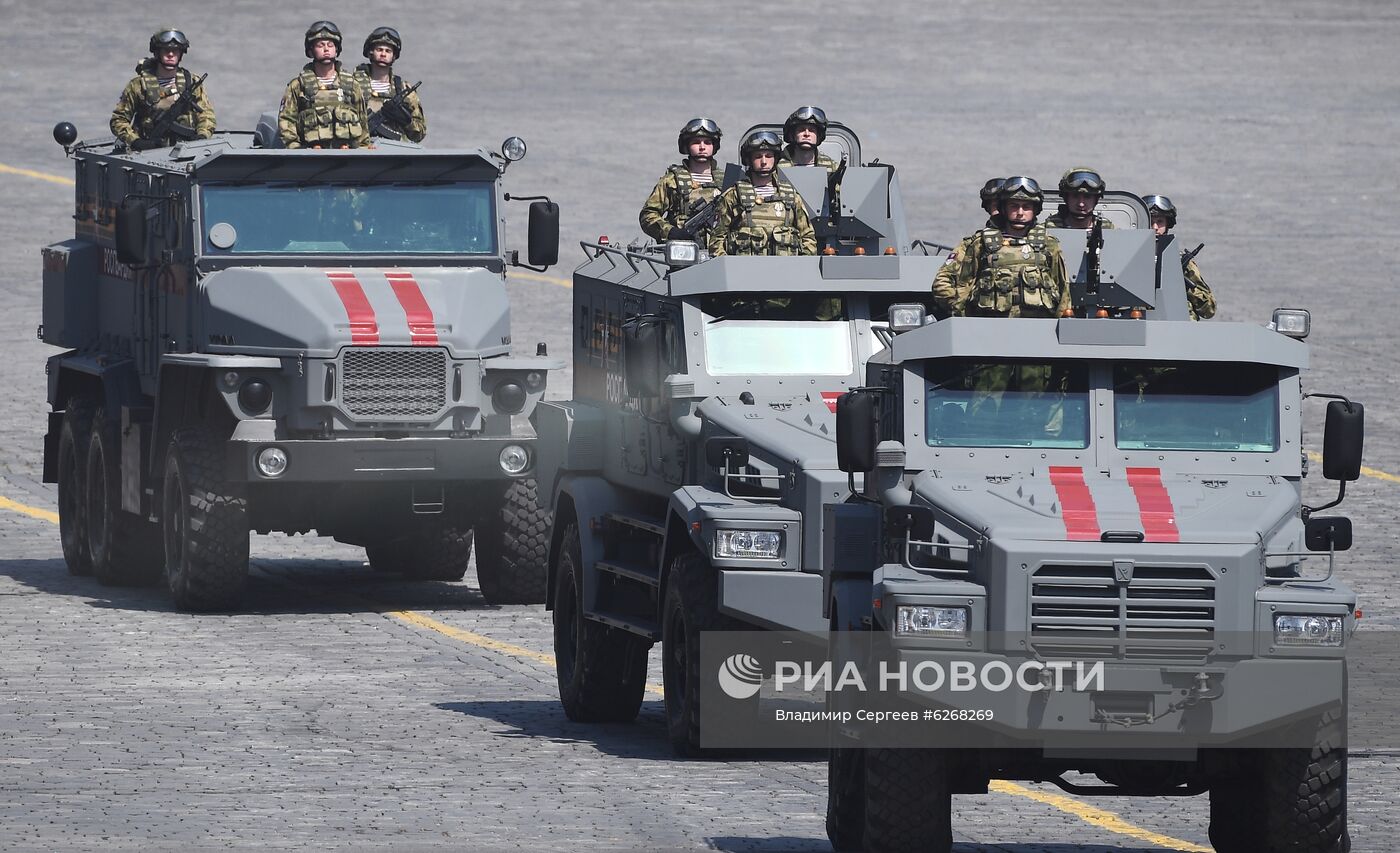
(1165, 613)
(386, 384)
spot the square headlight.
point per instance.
(905, 317)
(1308, 630)
(949, 623)
(1293, 322)
(680, 253)
(748, 544)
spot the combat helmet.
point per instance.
(169, 35)
(759, 141)
(991, 189)
(383, 35)
(322, 30)
(1081, 178)
(698, 127)
(805, 115)
(1163, 205)
(1023, 188)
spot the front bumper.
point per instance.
(379, 460)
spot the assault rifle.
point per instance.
(394, 111)
(833, 192)
(1095, 247)
(1188, 257)
(167, 124)
(699, 221)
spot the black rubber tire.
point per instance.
(601, 670)
(125, 548)
(907, 801)
(1236, 807)
(438, 554)
(204, 525)
(691, 607)
(512, 548)
(845, 797)
(72, 496)
(1304, 798)
(388, 556)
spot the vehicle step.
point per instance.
(655, 526)
(631, 571)
(636, 625)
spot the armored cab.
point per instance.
(266, 340)
(1121, 496)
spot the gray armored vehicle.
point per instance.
(1121, 493)
(699, 445)
(265, 340)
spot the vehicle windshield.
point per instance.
(362, 219)
(974, 403)
(1196, 406)
(788, 335)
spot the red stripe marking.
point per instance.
(421, 327)
(830, 398)
(1076, 503)
(1154, 504)
(363, 327)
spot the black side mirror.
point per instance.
(856, 431)
(916, 520)
(131, 232)
(1327, 533)
(543, 247)
(727, 453)
(641, 358)
(1342, 440)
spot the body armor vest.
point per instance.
(690, 195)
(326, 115)
(768, 227)
(157, 98)
(1013, 276)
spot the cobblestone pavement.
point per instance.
(318, 718)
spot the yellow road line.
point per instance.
(1096, 816)
(534, 276)
(39, 176)
(1365, 472)
(31, 511)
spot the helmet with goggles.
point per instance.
(698, 128)
(814, 116)
(763, 140)
(1162, 205)
(1021, 188)
(1081, 179)
(322, 30)
(166, 37)
(386, 36)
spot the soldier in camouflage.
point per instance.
(763, 215)
(1081, 188)
(803, 131)
(1199, 298)
(381, 85)
(323, 106)
(158, 83)
(945, 293)
(687, 185)
(1015, 270)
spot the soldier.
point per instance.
(324, 106)
(1015, 270)
(989, 200)
(1199, 298)
(686, 185)
(945, 294)
(404, 119)
(1081, 188)
(158, 83)
(803, 131)
(762, 215)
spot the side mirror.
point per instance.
(727, 453)
(543, 247)
(856, 431)
(917, 521)
(1342, 440)
(131, 232)
(641, 358)
(1327, 533)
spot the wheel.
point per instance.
(602, 671)
(691, 608)
(1236, 816)
(125, 548)
(907, 801)
(438, 554)
(387, 555)
(512, 548)
(72, 499)
(204, 525)
(1304, 801)
(845, 796)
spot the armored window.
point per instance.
(1196, 406)
(976, 403)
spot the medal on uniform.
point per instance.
(1025, 251)
(778, 207)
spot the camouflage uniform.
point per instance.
(1004, 276)
(144, 99)
(675, 197)
(748, 225)
(786, 160)
(417, 127)
(1060, 216)
(1198, 294)
(331, 116)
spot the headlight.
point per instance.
(513, 148)
(748, 544)
(1293, 322)
(272, 461)
(681, 253)
(940, 622)
(514, 459)
(906, 317)
(534, 380)
(255, 396)
(508, 397)
(1307, 630)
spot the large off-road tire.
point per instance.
(1236, 814)
(845, 795)
(125, 548)
(691, 607)
(908, 805)
(512, 548)
(387, 555)
(601, 670)
(204, 525)
(72, 477)
(438, 554)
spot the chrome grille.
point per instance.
(387, 384)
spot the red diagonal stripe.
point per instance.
(1076, 503)
(363, 328)
(1154, 504)
(830, 398)
(421, 327)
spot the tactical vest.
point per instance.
(689, 195)
(768, 227)
(156, 99)
(374, 100)
(1013, 272)
(326, 115)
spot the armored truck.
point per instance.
(268, 340)
(698, 447)
(1122, 494)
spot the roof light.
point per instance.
(1293, 322)
(906, 316)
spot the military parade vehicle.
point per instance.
(698, 447)
(269, 340)
(1121, 490)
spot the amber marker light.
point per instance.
(1101, 313)
(860, 250)
(889, 250)
(1135, 314)
(829, 250)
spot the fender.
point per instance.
(850, 595)
(112, 383)
(581, 498)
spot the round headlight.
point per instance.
(509, 397)
(514, 459)
(534, 380)
(272, 461)
(255, 396)
(513, 148)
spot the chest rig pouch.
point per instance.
(1015, 272)
(689, 195)
(326, 116)
(157, 98)
(769, 228)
